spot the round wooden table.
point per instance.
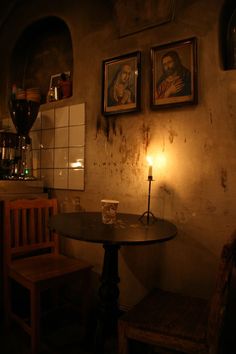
(128, 231)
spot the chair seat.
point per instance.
(46, 266)
(181, 323)
(170, 316)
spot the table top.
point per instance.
(88, 226)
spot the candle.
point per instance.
(150, 163)
(150, 171)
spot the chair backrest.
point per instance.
(220, 297)
(26, 227)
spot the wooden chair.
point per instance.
(176, 323)
(32, 259)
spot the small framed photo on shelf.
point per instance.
(56, 79)
(174, 74)
(60, 86)
(121, 84)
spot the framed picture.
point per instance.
(55, 79)
(174, 74)
(121, 84)
(144, 14)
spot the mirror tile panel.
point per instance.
(58, 144)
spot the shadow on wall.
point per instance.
(191, 266)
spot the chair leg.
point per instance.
(35, 319)
(122, 339)
(7, 302)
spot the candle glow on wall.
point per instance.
(161, 160)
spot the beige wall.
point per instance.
(196, 189)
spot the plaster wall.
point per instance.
(196, 187)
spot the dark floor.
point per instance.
(64, 341)
(64, 334)
(70, 339)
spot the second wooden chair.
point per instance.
(177, 323)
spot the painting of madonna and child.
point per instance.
(121, 84)
(174, 74)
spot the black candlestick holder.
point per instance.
(149, 215)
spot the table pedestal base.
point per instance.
(108, 298)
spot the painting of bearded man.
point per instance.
(174, 74)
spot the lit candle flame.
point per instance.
(149, 160)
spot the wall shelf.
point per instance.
(42, 50)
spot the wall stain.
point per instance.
(120, 130)
(208, 146)
(224, 178)
(181, 217)
(106, 127)
(210, 208)
(98, 125)
(211, 119)
(113, 125)
(172, 135)
(123, 150)
(102, 126)
(145, 136)
(163, 144)
(129, 153)
(165, 189)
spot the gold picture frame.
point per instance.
(121, 84)
(174, 74)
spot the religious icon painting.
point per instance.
(174, 74)
(121, 84)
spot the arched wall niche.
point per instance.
(43, 49)
(227, 35)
